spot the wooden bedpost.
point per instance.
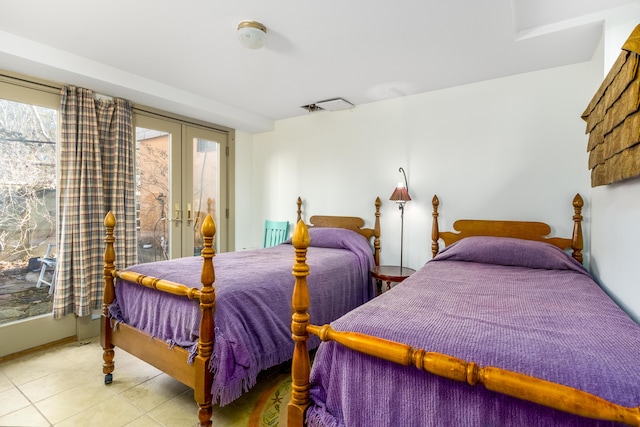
(301, 364)
(299, 203)
(207, 324)
(435, 232)
(376, 233)
(109, 295)
(576, 239)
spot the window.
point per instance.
(28, 200)
(28, 133)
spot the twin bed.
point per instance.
(214, 330)
(503, 308)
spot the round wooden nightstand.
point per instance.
(389, 274)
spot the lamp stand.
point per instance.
(401, 196)
(401, 207)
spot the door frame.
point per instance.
(183, 132)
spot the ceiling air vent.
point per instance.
(312, 108)
(334, 104)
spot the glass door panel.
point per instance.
(178, 169)
(157, 160)
(205, 187)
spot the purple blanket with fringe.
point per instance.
(518, 305)
(253, 302)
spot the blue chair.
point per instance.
(275, 232)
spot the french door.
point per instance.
(181, 171)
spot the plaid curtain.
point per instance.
(96, 175)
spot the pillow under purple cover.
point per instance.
(509, 251)
(329, 237)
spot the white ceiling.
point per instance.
(184, 56)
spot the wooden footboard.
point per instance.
(154, 351)
(510, 383)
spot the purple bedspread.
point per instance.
(253, 302)
(476, 302)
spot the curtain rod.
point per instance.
(48, 86)
(51, 87)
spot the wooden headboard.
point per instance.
(518, 229)
(350, 223)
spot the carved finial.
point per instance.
(110, 220)
(578, 203)
(208, 227)
(300, 237)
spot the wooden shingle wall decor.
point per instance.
(613, 119)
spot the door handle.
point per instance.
(177, 219)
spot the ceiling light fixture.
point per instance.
(252, 34)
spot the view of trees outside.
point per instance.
(153, 194)
(28, 136)
(27, 180)
(153, 175)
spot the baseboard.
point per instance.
(37, 349)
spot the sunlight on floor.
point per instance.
(64, 386)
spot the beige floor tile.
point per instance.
(85, 354)
(12, 400)
(65, 387)
(129, 375)
(32, 367)
(73, 401)
(49, 385)
(144, 421)
(5, 383)
(25, 417)
(181, 411)
(114, 412)
(155, 392)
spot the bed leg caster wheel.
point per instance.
(108, 379)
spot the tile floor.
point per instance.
(64, 386)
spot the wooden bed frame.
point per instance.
(510, 383)
(519, 229)
(173, 361)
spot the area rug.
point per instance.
(271, 408)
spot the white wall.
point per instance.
(512, 148)
(615, 208)
(244, 215)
